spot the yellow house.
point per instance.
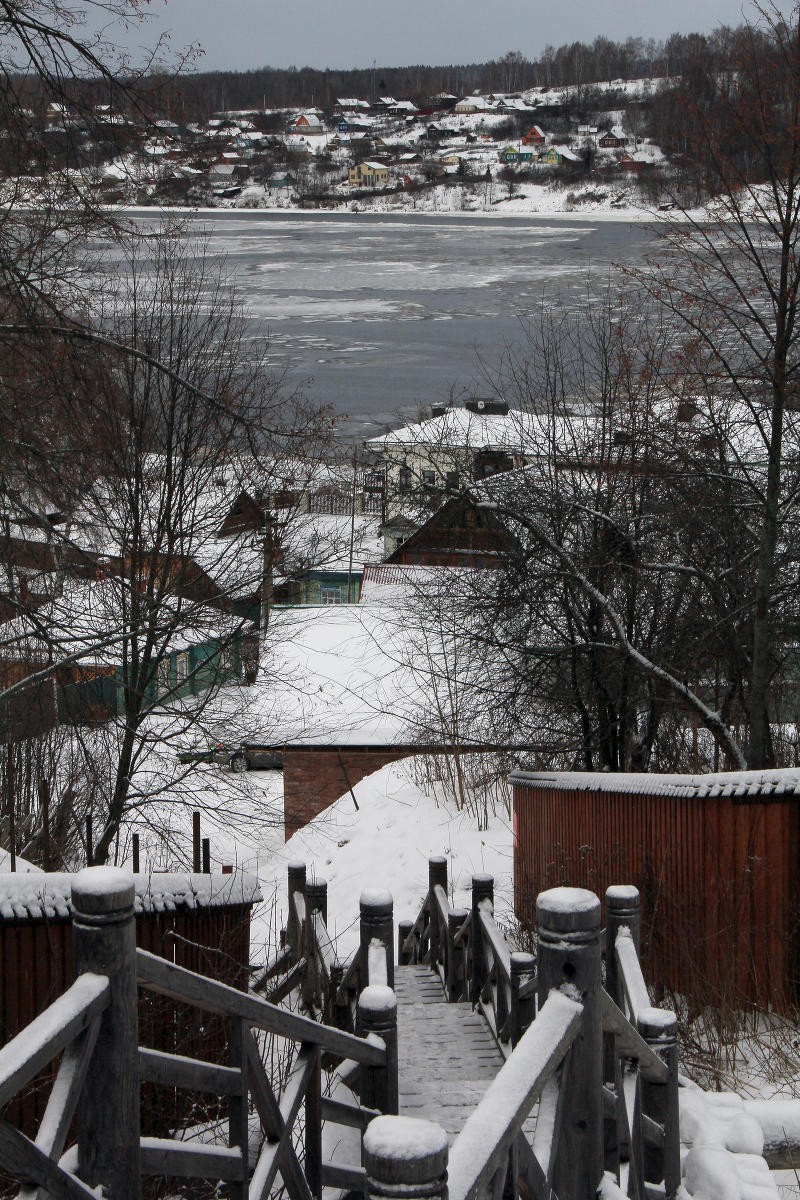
(368, 174)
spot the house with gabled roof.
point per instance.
(535, 136)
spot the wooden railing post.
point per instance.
(455, 955)
(238, 1112)
(313, 1128)
(659, 1028)
(482, 889)
(523, 969)
(404, 957)
(377, 1013)
(622, 908)
(405, 1158)
(317, 898)
(296, 873)
(104, 943)
(569, 954)
(437, 876)
(377, 925)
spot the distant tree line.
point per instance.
(581, 64)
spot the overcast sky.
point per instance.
(240, 34)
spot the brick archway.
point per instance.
(315, 776)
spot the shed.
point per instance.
(715, 858)
(197, 921)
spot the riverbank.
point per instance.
(594, 202)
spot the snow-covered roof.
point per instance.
(350, 102)
(737, 784)
(24, 896)
(460, 427)
(346, 675)
(374, 166)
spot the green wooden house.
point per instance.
(192, 666)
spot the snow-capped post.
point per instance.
(482, 889)
(437, 877)
(377, 1014)
(296, 873)
(404, 957)
(316, 902)
(196, 863)
(317, 898)
(523, 1008)
(104, 943)
(568, 922)
(377, 931)
(404, 1156)
(455, 955)
(622, 908)
(659, 1028)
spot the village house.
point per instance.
(368, 174)
(308, 124)
(426, 461)
(559, 156)
(511, 155)
(613, 139)
(535, 137)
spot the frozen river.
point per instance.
(378, 315)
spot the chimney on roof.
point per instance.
(487, 407)
(438, 410)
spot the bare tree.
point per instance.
(177, 415)
(730, 279)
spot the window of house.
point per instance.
(182, 668)
(330, 595)
(429, 479)
(452, 481)
(226, 660)
(404, 480)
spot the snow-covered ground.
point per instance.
(387, 843)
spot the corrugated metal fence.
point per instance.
(715, 859)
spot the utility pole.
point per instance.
(352, 529)
(266, 577)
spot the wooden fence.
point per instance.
(715, 859)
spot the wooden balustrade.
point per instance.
(94, 1026)
(600, 1061)
(608, 1098)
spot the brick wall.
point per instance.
(314, 778)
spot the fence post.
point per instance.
(569, 954)
(404, 957)
(523, 969)
(104, 943)
(482, 889)
(377, 1013)
(377, 925)
(437, 876)
(316, 901)
(659, 1028)
(455, 955)
(296, 874)
(622, 908)
(405, 1157)
(317, 898)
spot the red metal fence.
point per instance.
(715, 859)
